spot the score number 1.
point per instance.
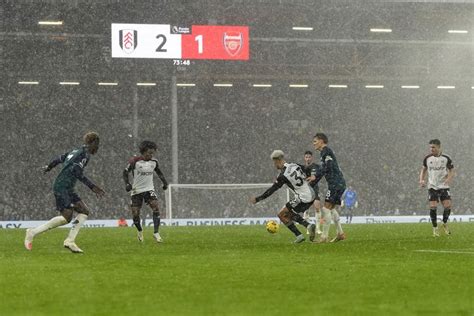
(199, 39)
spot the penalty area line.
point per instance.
(446, 251)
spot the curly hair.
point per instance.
(90, 138)
(145, 145)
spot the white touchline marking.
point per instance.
(447, 251)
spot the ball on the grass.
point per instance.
(272, 227)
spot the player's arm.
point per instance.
(450, 176)
(53, 163)
(277, 185)
(313, 173)
(126, 171)
(78, 172)
(423, 172)
(325, 166)
(162, 177)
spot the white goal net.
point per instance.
(222, 201)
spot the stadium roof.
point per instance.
(339, 42)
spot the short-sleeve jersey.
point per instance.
(330, 169)
(437, 167)
(142, 171)
(295, 178)
(73, 162)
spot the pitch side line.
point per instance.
(446, 251)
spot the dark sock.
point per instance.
(156, 221)
(299, 219)
(136, 222)
(433, 217)
(291, 226)
(446, 213)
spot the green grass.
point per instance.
(239, 271)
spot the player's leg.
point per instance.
(83, 212)
(336, 199)
(326, 218)
(317, 207)
(296, 211)
(137, 221)
(351, 214)
(137, 202)
(447, 204)
(434, 198)
(156, 219)
(285, 217)
(63, 205)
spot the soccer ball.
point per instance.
(272, 227)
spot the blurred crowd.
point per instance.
(226, 136)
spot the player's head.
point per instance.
(278, 158)
(147, 149)
(435, 146)
(91, 140)
(320, 140)
(308, 157)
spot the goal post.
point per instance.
(222, 201)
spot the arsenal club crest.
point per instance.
(233, 42)
(128, 40)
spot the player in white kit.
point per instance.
(295, 178)
(142, 168)
(440, 170)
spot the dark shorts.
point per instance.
(297, 206)
(66, 200)
(334, 195)
(439, 195)
(137, 199)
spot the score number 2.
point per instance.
(162, 43)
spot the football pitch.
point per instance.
(383, 269)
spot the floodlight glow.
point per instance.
(374, 86)
(375, 30)
(146, 84)
(50, 22)
(302, 28)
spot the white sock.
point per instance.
(52, 223)
(326, 214)
(337, 221)
(76, 226)
(318, 221)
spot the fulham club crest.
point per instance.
(233, 42)
(128, 40)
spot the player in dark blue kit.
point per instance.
(67, 201)
(336, 187)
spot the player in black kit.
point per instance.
(336, 187)
(311, 169)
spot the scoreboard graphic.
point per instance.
(171, 42)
